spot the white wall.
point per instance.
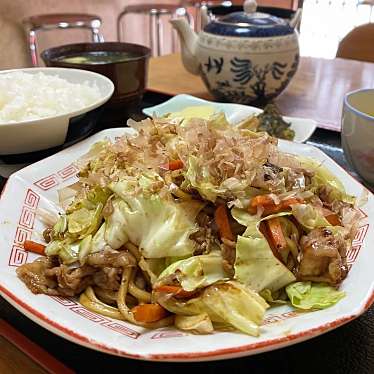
(13, 46)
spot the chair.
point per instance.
(155, 12)
(358, 44)
(369, 3)
(47, 22)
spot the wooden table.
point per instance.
(20, 355)
(316, 91)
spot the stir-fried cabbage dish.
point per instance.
(198, 224)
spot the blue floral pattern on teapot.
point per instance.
(243, 57)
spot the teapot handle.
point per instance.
(295, 21)
(204, 16)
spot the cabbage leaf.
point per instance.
(255, 264)
(273, 297)
(308, 295)
(160, 227)
(197, 271)
(322, 176)
(83, 221)
(200, 179)
(66, 249)
(308, 216)
(199, 324)
(115, 235)
(230, 303)
(98, 242)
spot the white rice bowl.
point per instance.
(25, 96)
(37, 104)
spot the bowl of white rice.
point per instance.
(37, 104)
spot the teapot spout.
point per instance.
(188, 40)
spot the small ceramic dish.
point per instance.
(48, 132)
(303, 127)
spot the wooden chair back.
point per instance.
(358, 44)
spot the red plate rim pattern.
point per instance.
(209, 355)
(191, 356)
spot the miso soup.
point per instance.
(98, 57)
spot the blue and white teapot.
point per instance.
(243, 57)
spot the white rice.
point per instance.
(25, 96)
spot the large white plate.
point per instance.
(303, 127)
(36, 187)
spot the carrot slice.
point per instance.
(173, 165)
(331, 217)
(31, 246)
(261, 200)
(222, 221)
(177, 291)
(149, 312)
(269, 206)
(285, 204)
(276, 233)
(265, 231)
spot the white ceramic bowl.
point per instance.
(358, 132)
(48, 132)
(235, 113)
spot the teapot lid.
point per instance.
(249, 24)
